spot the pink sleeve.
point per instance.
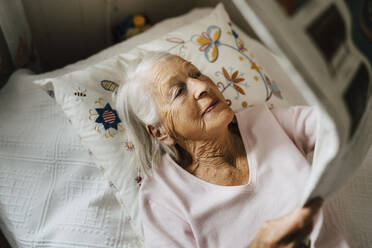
(163, 228)
(299, 123)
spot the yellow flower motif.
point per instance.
(208, 42)
(254, 66)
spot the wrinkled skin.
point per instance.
(216, 150)
(183, 94)
(182, 113)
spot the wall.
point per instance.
(15, 38)
(65, 31)
(14, 26)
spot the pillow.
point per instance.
(86, 95)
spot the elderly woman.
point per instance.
(215, 179)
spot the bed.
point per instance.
(52, 194)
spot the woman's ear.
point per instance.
(159, 133)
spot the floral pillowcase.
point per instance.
(86, 96)
(219, 52)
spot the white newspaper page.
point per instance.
(344, 115)
(328, 177)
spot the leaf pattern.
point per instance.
(239, 89)
(233, 76)
(233, 80)
(227, 76)
(238, 80)
(175, 40)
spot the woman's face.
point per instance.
(190, 104)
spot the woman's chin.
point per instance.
(218, 119)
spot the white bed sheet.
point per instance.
(51, 194)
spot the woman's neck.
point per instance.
(224, 151)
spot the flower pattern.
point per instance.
(234, 79)
(209, 42)
(274, 88)
(108, 117)
(109, 85)
(238, 42)
(129, 146)
(107, 121)
(175, 40)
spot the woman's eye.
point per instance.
(196, 74)
(179, 91)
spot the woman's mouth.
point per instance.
(211, 106)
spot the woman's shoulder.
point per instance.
(262, 116)
(162, 180)
(255, 109)
(268, 109)
(251, 114)
(166, 186)
(154, 177)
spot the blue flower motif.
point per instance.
(209, 42)
(108, 117)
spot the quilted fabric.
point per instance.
(51, 193)
(212, 44)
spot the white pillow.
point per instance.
(86, 95)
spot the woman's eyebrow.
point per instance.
(172, 80)
(169, 84)
(190, 66)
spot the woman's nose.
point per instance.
(200, 88)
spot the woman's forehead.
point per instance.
(163, 71)
(172, 64)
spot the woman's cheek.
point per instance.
(175, 123)
(169, 121)
(186, 121)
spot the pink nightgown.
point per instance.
(181, 210)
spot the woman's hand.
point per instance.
(288, 231)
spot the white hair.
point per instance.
(137, 108)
